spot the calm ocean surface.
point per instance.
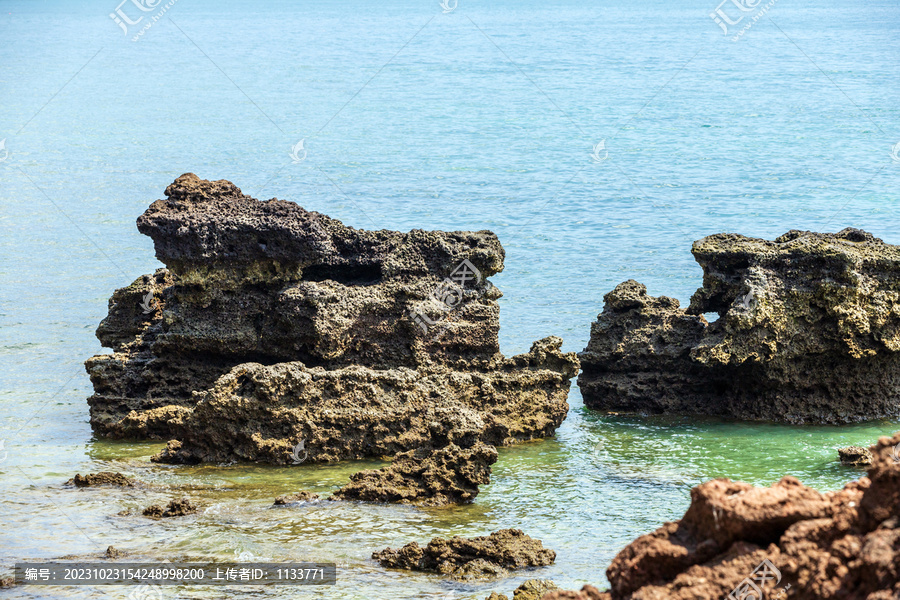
(482, 117)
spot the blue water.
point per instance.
(484, 117)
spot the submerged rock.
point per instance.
(531, 589)
(425, 477)
(470, 558)
(100, 479)
(808, 330)
(302, 496)
(175, 508)
(855, 456)
(274, 328)
(786, 538)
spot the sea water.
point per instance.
(597, 140)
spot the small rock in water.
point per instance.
(302, 496)
(175, 508)
(855, 456)
(470, 558)
(425, 477)
(531, 589)
(100, 479)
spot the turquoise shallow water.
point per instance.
(480, 118)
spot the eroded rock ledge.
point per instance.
(808, 331)
(274, 329)
(843, 544)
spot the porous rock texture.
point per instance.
(274, 328)
(425, 477)
(295, 498)
(843, 544)
(855, 456)
(175, 508)
(103, 478)
(808, 331)
(462, 558)
(531, 589)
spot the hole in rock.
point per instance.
(712, 317)
(348, 275)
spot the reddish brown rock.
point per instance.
(836, 545)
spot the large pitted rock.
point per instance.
(274, 328)
(425, 477)
(808, 331)
(829, 546)
(470, 558)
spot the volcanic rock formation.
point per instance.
(843, 544)
(808, 332)
(281, 335)
(470, 558)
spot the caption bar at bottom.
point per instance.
(71, 573)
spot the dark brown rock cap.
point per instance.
(213, 221)
(727, 258)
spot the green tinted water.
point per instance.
(586, 493)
